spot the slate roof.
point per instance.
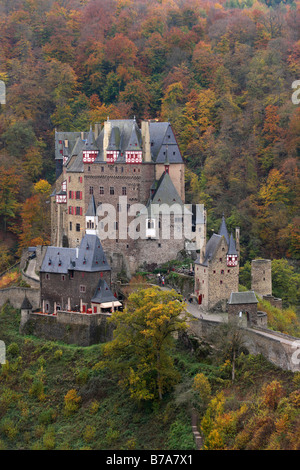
(90, 141)
(248, 297)
(223, 230)
(71, 137)
(103, 293)
(164, 147)
(211, 247)
(165, 192)
(88, 257)
(232, 247)
(26, 305)
(91, 210)
(125, 136)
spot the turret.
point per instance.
(91, 218)
(89, 151)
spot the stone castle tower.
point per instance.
(118, 162)
(217, 269)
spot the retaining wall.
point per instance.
(68, 327)
(279, 349)
(15, 295)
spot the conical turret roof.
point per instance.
(223, 230)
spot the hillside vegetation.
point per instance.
(53, 397)
(220, 72)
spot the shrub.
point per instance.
(271, 394)
(13, 349)
(49, 440)
(94, 407)
(72, 401)
(9, 429)
(89, 433)
(201, 385)
(58, 354)
(180, 436)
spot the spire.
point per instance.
(91, 210)
(90, 143)
(232, 247)
(223, 230)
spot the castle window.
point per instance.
(101, 190)
(78, 210)
(220, 260)
(111, 190)
(228, 271)
(159, 245)
(82, 289)
(63, 277)
(222, 271)
(102, 169)
(214, 271)
(221, 282)
(91, 190)
(77, 227)
(78, 195)
(70, 226)
(124, 191)
(47, 276)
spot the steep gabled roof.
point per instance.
(166, 193)
(211, 248)
(248, 297)
(89, 257)
(91, 210)
(232, 247)
(223, 230)
(103, 293)
(163, 143)
(90, 141)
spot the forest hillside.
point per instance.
(221, 72)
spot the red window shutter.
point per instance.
(72, 210)
(80, 195)
(80, 210)
(80, 179)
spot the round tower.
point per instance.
(261, 277)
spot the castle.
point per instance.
(119, 204)
(140, 174)
(217, 269)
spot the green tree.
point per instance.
(140, 350)
(8, 195)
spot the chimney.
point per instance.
(145, 129)
(106, 137)
(97, 129)
(237, 240)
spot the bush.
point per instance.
(89, 433)
(13, 349)
(72, 401)
(180, 436)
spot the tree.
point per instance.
(8, 194)
(35, 227)
(228, 339)
(140, 350)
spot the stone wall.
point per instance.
(261, 277)
(15, 295)
(70, 328)
(279, 349)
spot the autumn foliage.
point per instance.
(221, 72)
